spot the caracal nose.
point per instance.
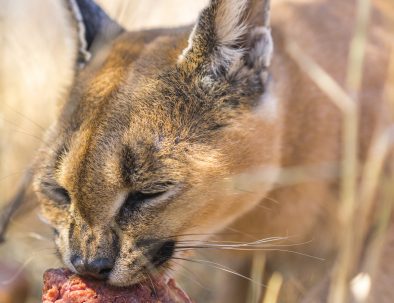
(99, 268)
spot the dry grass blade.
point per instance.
(385, 208)
(323, 80)
(371, 177)
(257, 272)
(273, 288)
(345, 103)
(378, 238)
(348, 106)
(357, 47)
(346, 260)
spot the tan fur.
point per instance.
(217, 159)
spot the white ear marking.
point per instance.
(83, 54)
(207, 81)
(229, 27)
(268, 105)
(189, 46)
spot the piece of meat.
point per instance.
(63, 286)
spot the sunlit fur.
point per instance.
(205, 111)
(137, 106)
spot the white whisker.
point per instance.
(221, 267)
(22, 267)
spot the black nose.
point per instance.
(98, 268)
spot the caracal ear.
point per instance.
(94, 27)
(229, 37)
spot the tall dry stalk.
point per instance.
(352, 204)
(347, 257)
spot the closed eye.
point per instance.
(143, 196)
(136, 199)
(56, 193)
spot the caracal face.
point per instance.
(152, 140)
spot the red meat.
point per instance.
(63, 286)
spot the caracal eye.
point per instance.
(135, 199)
(62, 194)
(57, 193)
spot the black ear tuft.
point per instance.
(94, 19)
(93, 24)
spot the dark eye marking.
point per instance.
(157, 251)
(135, 199)
(144, 196)
(163, 253)
(56, 193)
(128, 164)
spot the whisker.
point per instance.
(263, 207)
(233, 233)
(242, 190)
(197, 235)
(240, 244)
(153, 286)
(150, 268)
(220, 267)
(7, 127)
(28, 134)
(8, 121)
(272, 200)
(18, 272)
(9, 209)
(11, 175)
(190, 273)
(173, 293)
(36, 254)
(256, 249)
(245, 244)
(240, 232)
(25, 117)
(32, 235)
